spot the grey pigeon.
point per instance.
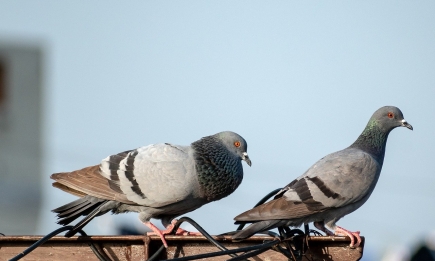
(333, 187)
(159, 181)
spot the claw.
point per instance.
(351, 235)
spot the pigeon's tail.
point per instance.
(256, 228)
(86, 206)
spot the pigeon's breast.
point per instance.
(219, 175)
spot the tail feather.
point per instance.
(86, 206)
(256, 228)
(69, 205)
(80, 207)
(66, 218)
(85, 220)
(73, 210)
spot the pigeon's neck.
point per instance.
(372, 140)
(219, 171)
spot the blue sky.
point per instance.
(296, 79)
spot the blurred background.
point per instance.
(83, 80)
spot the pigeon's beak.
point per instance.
(245, 157)
(406, 124)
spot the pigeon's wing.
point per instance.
(89, 181)
(340, 178)
(156, 175)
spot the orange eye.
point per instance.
(390, 115)
(237, 144)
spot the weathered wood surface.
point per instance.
(135, 248)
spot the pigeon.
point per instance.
(333, 187)
(160, 181)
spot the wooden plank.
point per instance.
(75, 248)
(132, 248)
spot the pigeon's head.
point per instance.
(388, 118)
(235, 144)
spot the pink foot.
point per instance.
(183, 232)
(351, 235)
(158, 232)
(162, 233)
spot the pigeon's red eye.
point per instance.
(390, 115)
(237, 144)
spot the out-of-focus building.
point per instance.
(21, 100)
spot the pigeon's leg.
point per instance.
(168, 230)
(320, 225)
(351, 235)
(156, 231)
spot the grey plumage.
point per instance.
(333, 187)
(159, 181)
